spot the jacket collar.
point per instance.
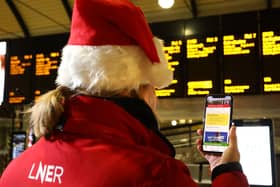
(142, 112)
(126, 120)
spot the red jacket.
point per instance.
(103, 144)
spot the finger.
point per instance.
(199, 132)
(198, 141)
(232, 137)
(199, 148)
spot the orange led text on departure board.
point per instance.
(18, 67)
(270, 47)
(240, 46)
(197, 50)
(44, 64)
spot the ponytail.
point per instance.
(47, 111)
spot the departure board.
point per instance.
(33, 67)
(20, 72)
(202, 56)
(270, 33)
(174, 50)
(240, 54)
(202, 65)
(47, 60)
(46, 65)
(232, 54)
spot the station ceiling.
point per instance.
(28, 18)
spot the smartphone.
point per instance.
(216, 123)
(18, 143)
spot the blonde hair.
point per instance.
(47, 111)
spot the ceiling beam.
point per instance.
(269, 4)
(25, 3)
(194, 8)
(19, 19)
(67, 8)
(10, 33)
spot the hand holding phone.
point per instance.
(231, 154)
(217, 122)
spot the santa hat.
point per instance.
(111, 48)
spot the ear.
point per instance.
(147, 93)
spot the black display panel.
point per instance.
(46, 60)
(164, 30)
(240, 54)
(202, 56)
(20, 71)
(270, 33)
(174, 51)
(32, 65)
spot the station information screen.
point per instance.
(240, 54)
(202, 56)
(240, 63)
(232, 54)
(20, 72)
(3, 51)
(202, 65)
(270, 33)
(174, 50)
(46, 62)
(46, 65)
(33, 67)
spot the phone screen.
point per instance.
(217, 120)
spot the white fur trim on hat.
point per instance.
(112, 68)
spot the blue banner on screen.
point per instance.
(213, 138)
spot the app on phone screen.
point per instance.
(217, 122)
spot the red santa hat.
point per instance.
(111, 48)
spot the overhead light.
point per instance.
(166, 3)
(182, 121)
(173, 122)
(188, 32)
(183, 140)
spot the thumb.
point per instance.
(232, 137)
(231, 154)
